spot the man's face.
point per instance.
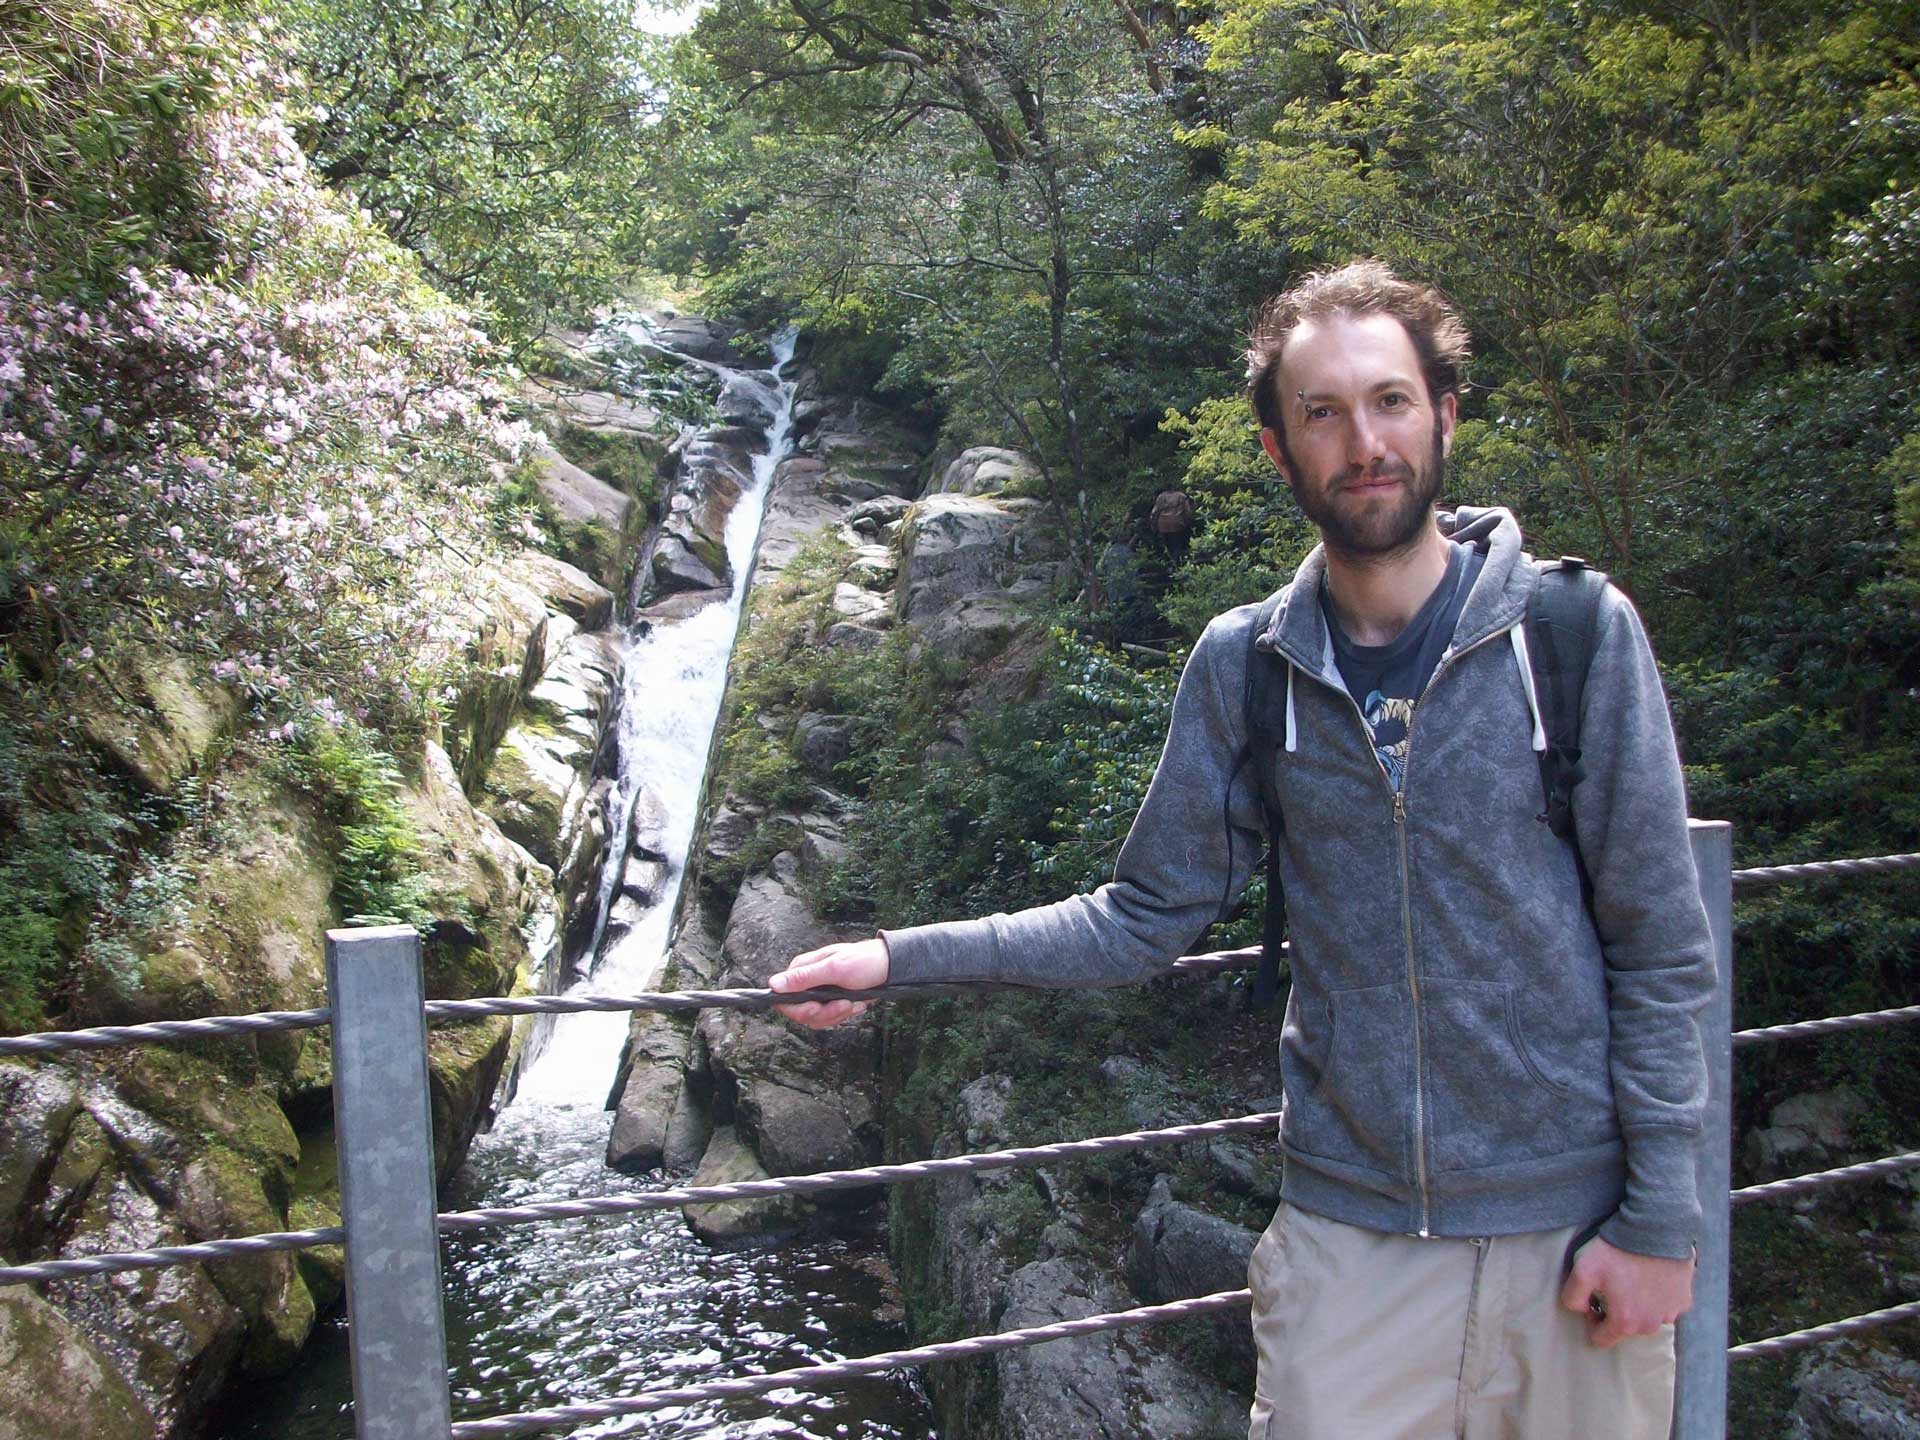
(1365, 446)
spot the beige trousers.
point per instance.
(1368, 1336)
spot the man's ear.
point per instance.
(1270, 443)
(1449, 413)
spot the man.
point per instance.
(1494, 1083)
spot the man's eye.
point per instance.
(1393, 401)
(1319, 412)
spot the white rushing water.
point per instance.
(545, 1314)
(673, 681)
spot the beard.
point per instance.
(1375, 530)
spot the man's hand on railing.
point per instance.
(851, 965)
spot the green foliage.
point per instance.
(1113, 723)
(62, 837)
(377, 875)
(500, 141)
(1249, 535)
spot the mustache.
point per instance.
(1374, 474)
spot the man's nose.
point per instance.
(1364, 446)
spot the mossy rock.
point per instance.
(626, 459)
(485, 886)
(160, 718)
(200, 1103)
(255, 931)
(463, 1069)
(54, 1382)
(316, 1206)
(534, 772)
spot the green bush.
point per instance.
(377, 875)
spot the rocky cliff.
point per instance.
(169, 1144)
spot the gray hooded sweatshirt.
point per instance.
(1468, 1049)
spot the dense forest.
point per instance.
(268, 274)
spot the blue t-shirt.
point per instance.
(1386, 680)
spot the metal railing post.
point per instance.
(383, 1126)
(1700, 1391)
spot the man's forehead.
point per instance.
(1342, 350)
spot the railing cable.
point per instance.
(1821, 1334)
(466, 1221)
(533, 1421)
(1760, 875)
(213, 1027)
(1833, 1025)
(1800, 1184)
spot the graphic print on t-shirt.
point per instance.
(1389, 720)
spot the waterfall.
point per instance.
(673, 682)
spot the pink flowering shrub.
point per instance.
(235, 424)
(257, 437)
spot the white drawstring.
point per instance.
(1518, 634)
(1292, 734)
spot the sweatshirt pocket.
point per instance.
(1492, 1099)
(1348, 1070)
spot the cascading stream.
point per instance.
(674, 680)
(543, 1314)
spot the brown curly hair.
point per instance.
(1364, 287)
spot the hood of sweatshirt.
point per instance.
(1497, 602)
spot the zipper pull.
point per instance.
(1399, 808)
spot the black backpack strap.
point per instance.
(1563, 621)
(1266, 699)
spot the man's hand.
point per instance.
(854, 965)
(1637, 1294)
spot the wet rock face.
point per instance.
(1848, 1392)
(54, 1380)
(955, 546)
(984, 470)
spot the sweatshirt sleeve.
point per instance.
(1185, 860)
(1630, 812)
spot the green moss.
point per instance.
(316, 1206)
(463, 1066)
(54, 1382)
(627, 461)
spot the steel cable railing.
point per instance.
(466, 1221)
(532, 1421)
(756, 999)
(214, 1027)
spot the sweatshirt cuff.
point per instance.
(1660, 1215)
(954, 950)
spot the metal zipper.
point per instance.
(1406, 902)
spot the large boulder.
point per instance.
(160, 718)
(254, 937)
(56, 1381)
(715, 341)
(534, 788)
(1180, 1251)
(648, 1090)
(563, 587)
(1844, 1391)
(984, 470)
(728, 1161)
(578, 497)
(956, 545)
(801, 1101)
(1805, 1132)
(506, 650)
(1117, 1387)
